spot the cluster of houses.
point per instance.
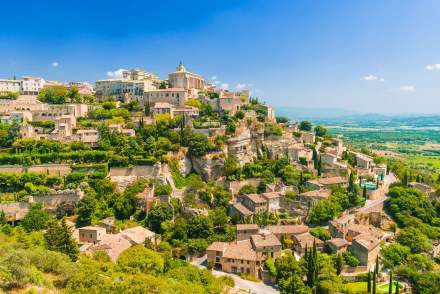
(106, 237)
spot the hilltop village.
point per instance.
(177, 185)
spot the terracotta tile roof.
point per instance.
(288, 229)
(321, 193)
(240, 250)
(338, 242)
(217, 246)
(265, 240)
(241, 227)
(367, 240)
(329, 181)
(138, 234)
(256, 198)
(113, 245)
(306, 240)
(242, 210)
(271, 195)
(361, 229)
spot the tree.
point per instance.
(305, 126)
(200, 227)
(36, 219)
(369, 281)
(158, 214)
(281, 119)
(3, 220)
(85, 209)
(321, 233)
(395, 254)
(319, 169)
(397, 287)
(315, 158)
(364, 192)
(231, 169)
(139, 259)
(390, 285)
(320, 131)
(414, 239)
(289, 275)
(198, 144)
(247, 189)
(59, 238)
(339, 263)
(74, 95)
(311, 261)
(53, 95)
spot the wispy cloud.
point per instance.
(372, 78)
(115, 74)
(241, 86)
(407, 88)
(433, 66)
(224, 86)
(217, 82)
(55, 64)
(213, 77)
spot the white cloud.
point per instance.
(115, 74)
(372, 78)
(224, 86)
(407, 88)
(54, 64)
(213, 77)
(240, 86)
(433, 66)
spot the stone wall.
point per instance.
(55, 202)
(53, 169)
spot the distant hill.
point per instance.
(347, 118)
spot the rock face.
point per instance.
(56, 202)
(208, 167)
(247, 143)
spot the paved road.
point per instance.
(248, 286)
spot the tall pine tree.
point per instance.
(390, 285)
(369, 281)
(59, 238)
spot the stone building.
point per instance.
(182, 78)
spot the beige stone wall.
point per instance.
(241, 266)
(53, 169)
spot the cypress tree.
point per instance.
(315, 263)
(405, 180)
(351, 183)
(376, 269)
(390, 286)
(339, 263)
(374, 283)
(319, 167)
(369, 281)
(397, 287)
(315, 158)
(364, 192)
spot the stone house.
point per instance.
(306, 240)
(287, 231)
(91, 234)
(313, 196)
(245, 231)
(336, 245)
(365, 247)
(326, 182)
(244, 256)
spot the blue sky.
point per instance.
(367, 56)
